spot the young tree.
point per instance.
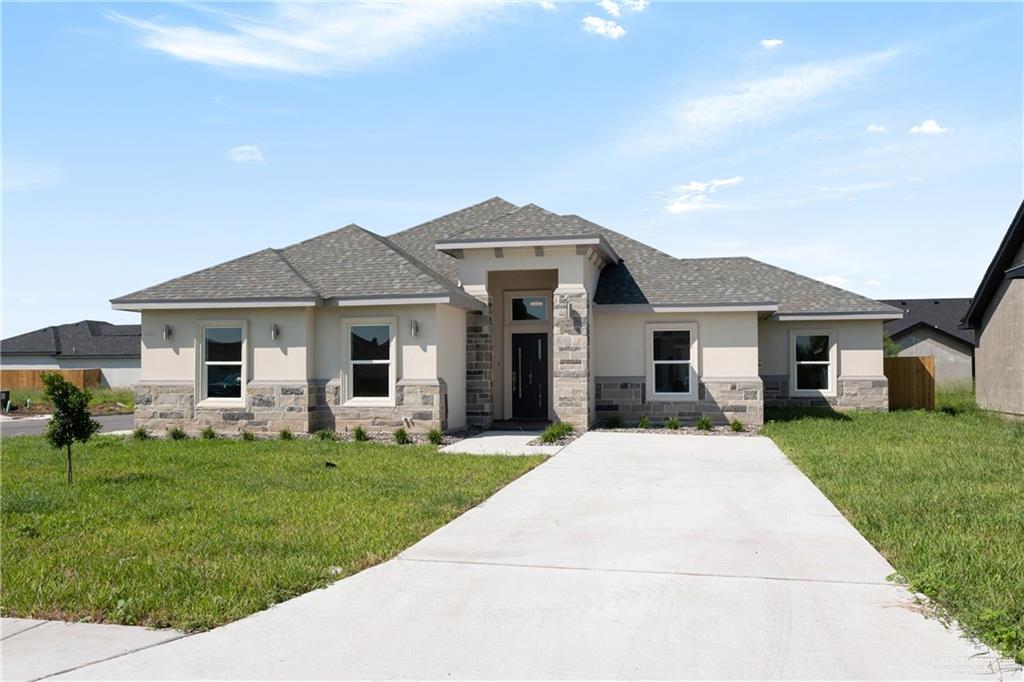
(71, 420)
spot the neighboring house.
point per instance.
(496, 312)
(996, 314)
(931, 326)
(90, 344)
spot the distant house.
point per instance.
(931, 326)
(90, 344)
(996, 314)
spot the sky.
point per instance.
(877, 147)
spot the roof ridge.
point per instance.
(497, 217)
(298, 272)
(318, 236)
(453, 213)
(416, 262)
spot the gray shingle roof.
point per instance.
(354, 263)
(88, 338)
(419, 240)
(943, 314)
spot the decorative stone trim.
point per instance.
(720, 400)
(852, 393)
(420, 405)
(163, 405)
(479, 368)
(571, 369)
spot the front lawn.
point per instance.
(193, 534)
(939, 494)
(102, 401)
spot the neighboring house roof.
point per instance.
(352, 263)
(1001, 267)
(942, 314)
(85, 339)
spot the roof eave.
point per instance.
(994, 274)
(166, 304)
(823, 316)
(455, 247)
(464, 301)
(758, 307)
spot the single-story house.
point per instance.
(114, 349)
(996, 315)
(931, 326)
(496, 312)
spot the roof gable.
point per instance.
(1009, 254)
(943, 314)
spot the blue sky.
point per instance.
(876, 146)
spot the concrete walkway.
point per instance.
(502, 443)
(625, 556)
(32, 649)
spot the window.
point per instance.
(222, 362)
(812, 362)
(529, 308)
(671, 354)
(370, 360)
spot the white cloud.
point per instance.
(696, 195)
(635, 5)
(877, 128)
(547, 5)
(246, 153)
(693, 120)
(311, 37)
(836, 280)
(603, 27)
(929, 127)
(610, 6)
(771, 43)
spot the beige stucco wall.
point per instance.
(859, 343)
(999, 357)
(953, 358)
(417, 356)
(451, 361)
(727, 343)
(174, 359)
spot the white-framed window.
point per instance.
(812, 362)
(222, 361)
(369, 360)
(671, 358)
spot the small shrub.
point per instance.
(208, 433)
(703, 424)
(737, 426)
(672, 423)
(401, 436)
(286, 435)
(555, 432)
(614, 422)
(177, 433)
(435, 436)
(324, 434)
(248, 436)
(359, 434)
(644, 423)
(140, 433)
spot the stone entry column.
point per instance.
(479, 358)
(571, 362)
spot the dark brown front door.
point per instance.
(530, 376)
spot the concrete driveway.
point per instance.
(625, 556)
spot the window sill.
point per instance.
(369, 402)
(671, 397)
(221, 403)
(811, 393)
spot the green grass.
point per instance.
(100, 396)
(193, 534)
(939, 494)
(555, 432)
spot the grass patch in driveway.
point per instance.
(939, 494)
(193, 534)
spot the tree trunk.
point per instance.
(69, 464)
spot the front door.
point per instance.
(529, 376)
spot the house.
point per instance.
(495, 312)
(996, 315)
(114, 349)
(931, 326)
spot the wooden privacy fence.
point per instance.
(911, 382)
(29, 379)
